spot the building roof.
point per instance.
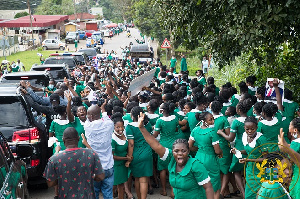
(82, 16)
(39, 21)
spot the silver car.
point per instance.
(53, 44)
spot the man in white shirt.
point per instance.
(98, 132)
(21, 65)
(205, 65)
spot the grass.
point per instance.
(192, 60)
(28, 58)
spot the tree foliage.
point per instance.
(55, 7)
(21, 14)
(146, 17)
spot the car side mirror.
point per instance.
(24, 150)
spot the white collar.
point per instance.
(152, 116)
(287, 101)
(135, 124)
(226, 103)
(237, 96)
(143, 104)
(270, 123)
(296, 140)
(195, 110)
(217, 116)
(252, 88)
(253, 143)
(241, 119)
(169, 118)
(181, 113)
(118, 140)
(61, 122)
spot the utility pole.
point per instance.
(30, 16)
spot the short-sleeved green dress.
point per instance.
(201, 80)
(191, 118)
(290, 108)
(78, 125)
(167, 127)
(57, 127)
(142, 163)
(120, 148)
(127, 119)
(186, 133)
(295, 183)
(221, 122)
(188, 182)
(275, 190)
(225, 106)
(152, 118)
(235, 99)
(271, 130)
(237, 127)
(205, 139)
(255, 150)
(252, 90)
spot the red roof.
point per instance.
(83, 15)
(40, 21)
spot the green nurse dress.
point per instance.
(221, 122)
(167, 127)
(152, 118)
(120, 148)
(252, 90)
(142, 163)
(295, 183)
(237, 127)
(275, 190)
(127, 119)
(191, 118)
(188, 182)
(78, 125)
(186, 133)
(290, 108)
(255, 150)
(57, 127)
(205, 139)
(235, 99)
(225, 106)
(202, 80)
(270, 129)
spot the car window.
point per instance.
(35, 80)
(71, 62)
(48, 41)
(53, 41)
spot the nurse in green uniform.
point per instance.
(250, 81)
(294, 129)
(255, 147)
(188, 176)
(276, 190)
(225, 94)
(151, 108)
(221, 123)
(205, 141)
(119, 145)
(142, 164)
(183, 65)
(167, 127)
(236, 132)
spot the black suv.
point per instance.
(58, 71)
(69, 60)
(13, 175)
(26, 136)
(37, 79)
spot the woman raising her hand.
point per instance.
(188, 177)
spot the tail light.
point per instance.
(35, 163)
(26, 135)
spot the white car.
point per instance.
(53, 44)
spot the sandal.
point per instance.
(163, 193)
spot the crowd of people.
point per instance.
(206, 141)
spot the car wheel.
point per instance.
(61, 48)
(45, 48)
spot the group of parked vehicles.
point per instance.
(24, 148)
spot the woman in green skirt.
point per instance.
(119, 145)
(221, 123)
(205, 140)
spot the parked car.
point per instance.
(68, 60)
(88, 33)
(98, 37)
(37, 79)
(26, 136)
(106, 33)
(53, 44)
(90, 52)
(13, 175)
(58, 71)
(81, 35)
(79, 56)
(71, 37)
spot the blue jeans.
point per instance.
(106, 185)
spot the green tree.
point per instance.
(55, 7)
(21, 14)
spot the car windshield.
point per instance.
(79, 58)
(71, 33)
(97, 37)
(15, 114)
(89, 52)
(56, 72)
(70, 62)
(35, 80)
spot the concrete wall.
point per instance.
(10, 14)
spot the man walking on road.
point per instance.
(74, 170)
